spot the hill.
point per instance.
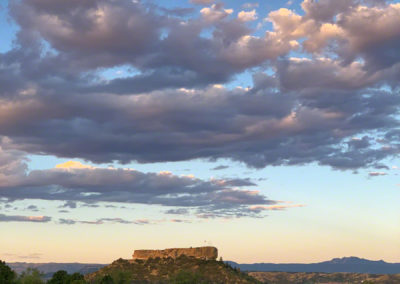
(183, 269)
(345, 264)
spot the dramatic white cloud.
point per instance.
(324, 90)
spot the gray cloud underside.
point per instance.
(225, 197)
(53, 100)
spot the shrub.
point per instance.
(107, 279)
(187, 277)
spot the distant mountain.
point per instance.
(345, 264)
(51, 267)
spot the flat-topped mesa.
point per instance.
(199, 252)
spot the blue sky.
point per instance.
(268, 129)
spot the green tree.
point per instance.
(76, 278)
(31, 276)
(60, 277)
(7, 275)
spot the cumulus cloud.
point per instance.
(349, 29)
(337, 105)
(258, 126)
(325, 10)
(247, 16)
(164, 51)
(215, 13)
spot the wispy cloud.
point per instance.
(377, 174)
(103, 221)
(277, 207)
(250, 5)
(19, 218)
(220, 167)
(34, 256)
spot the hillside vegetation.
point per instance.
(313, 277)
(168, 270)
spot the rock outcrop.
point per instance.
(199, 252)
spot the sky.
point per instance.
(268, 129)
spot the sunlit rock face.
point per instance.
(199, 252)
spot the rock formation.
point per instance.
(199, 252)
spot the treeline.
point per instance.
(34, 276)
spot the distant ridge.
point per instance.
(345, 264)
(51, 267)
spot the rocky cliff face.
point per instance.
(199, 252)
